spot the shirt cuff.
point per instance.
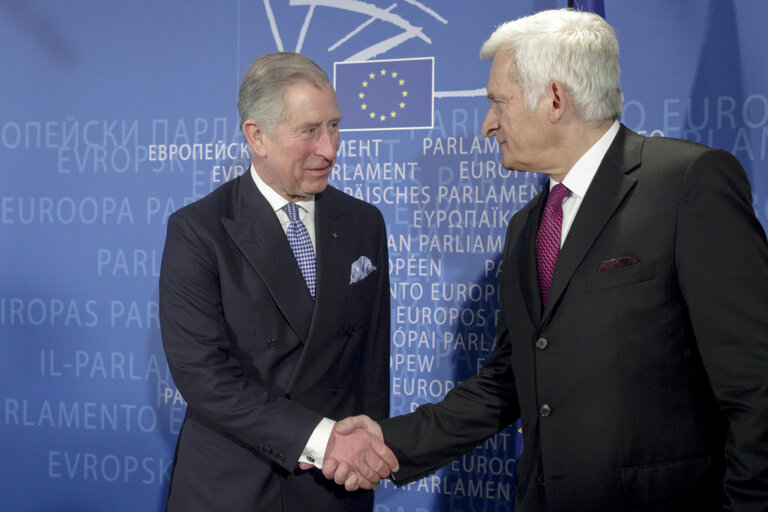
(314, 452)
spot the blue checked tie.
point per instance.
(298, 237)
(548, 239)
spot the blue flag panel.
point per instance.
(385, 94)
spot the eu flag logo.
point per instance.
(385, 94)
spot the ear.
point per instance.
(254, 136)
(560, 101)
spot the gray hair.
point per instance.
(265, 81)
(577, 49)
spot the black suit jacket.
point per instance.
(643, 385)
(257, 361)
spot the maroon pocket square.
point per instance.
(624, 261)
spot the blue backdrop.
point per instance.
(114, 114)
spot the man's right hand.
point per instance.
(356, 455)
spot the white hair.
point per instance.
(577, 49)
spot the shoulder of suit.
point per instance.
(214, 205)
(670, 148)
(628, 141)
(673, 143)
(676, 151)
(346, 202)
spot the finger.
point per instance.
(305, 465)
(364, 483)
(329, 468)
(341, 474)
(383, 451)
(377, 465)
(352, 482)
(381, 459)
(366, 471)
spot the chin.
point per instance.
(316, 188)
(508, 165)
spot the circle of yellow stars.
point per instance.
(383, 74)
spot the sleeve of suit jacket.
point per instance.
(198, 346)
(722, 264)
(435, 434)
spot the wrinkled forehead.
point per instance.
(501, 73)
(307, 88)
(305, 103)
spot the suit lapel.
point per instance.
(256, 231)
(333, 244)
(608, 189)
(526, 257)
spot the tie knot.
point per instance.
(292, 209)
(558, 193)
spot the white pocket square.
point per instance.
(360, 269)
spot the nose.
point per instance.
(490, 124)
(327, 145)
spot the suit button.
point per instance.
(287, 396)
(545, 410)
(351, 332)
(540, 479)
(272, 343)
(542, 343)
(335, 390)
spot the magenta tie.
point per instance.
(548, 239)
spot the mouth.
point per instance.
(320, 170)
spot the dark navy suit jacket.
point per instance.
(258, 362)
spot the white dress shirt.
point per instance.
(276, 201)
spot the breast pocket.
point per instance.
(623, 276)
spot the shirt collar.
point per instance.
(275, 200)
(583, 171)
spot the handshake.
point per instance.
(356, 456)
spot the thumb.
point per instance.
(349, 425)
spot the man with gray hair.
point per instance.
(274, 311)
(633, 329)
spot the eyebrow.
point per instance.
(313, 124)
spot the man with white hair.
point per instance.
(633, 332)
